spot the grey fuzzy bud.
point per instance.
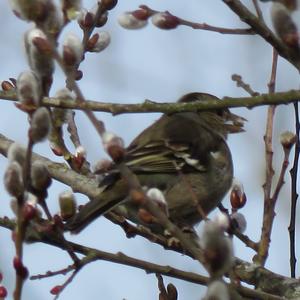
(98, 42)
(129, 21)
(40, 177)
(239, 222)
(217, 290)
(218, 251)
(13, 180)
(28, 88)
(16, 152)
(40, 125)
(72, 49)
(284, 25)
(38, 52)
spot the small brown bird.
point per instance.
(185, 155)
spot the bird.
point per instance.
(184, 155)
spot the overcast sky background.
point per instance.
(161, 66)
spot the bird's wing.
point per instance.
(185, 143)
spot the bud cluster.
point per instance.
(139, 18)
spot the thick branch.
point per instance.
(252, 274)
(260, 28)
(150, 106)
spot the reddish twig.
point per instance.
(269, 204)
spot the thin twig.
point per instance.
(204, 26)
(258, 10)
(240, 83)
(269, 205)
(294, 195)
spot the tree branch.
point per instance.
(150, 106)
(264, 31)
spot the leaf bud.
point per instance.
(288, 139)
(67, 204)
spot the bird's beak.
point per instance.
(234, 123)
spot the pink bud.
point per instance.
(129, 21)
(56, 290)
(3, 292)
(165, 20)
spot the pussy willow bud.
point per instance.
(13, 180)
(217, 290)
(67, 204)
(85, 19)
(98, 42)
(71, 8)
(113, 145)
(165, 20)
(72, 50)
(288, 139)
(158, 197)
(16, 152)
(129, 21)
(238, 222)
(284, 26)
(60, 115)
(102, 19)
(102, 166)
(217, 249)
(30, 10)
(54, 20)
(28, 89)
(40, 125)
(7, 86)
(222, 221)
(39, 52)
(40, 177)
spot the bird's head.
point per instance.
(221, 120)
